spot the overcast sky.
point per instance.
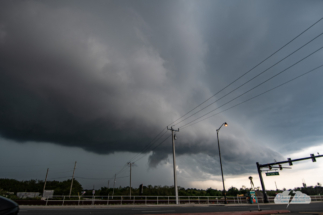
(97, 82)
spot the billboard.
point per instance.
(24, 195)
(48, 194)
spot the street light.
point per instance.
(217, 134)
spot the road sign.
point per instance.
(272, 173)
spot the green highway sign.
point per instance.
(272, 173)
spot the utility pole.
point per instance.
(93, 198)
(45, 182)
(174, 161)
(108, 189)
(276, 186)
(114, 185)
(72, 180)
(129, 163)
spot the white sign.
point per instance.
(298, 198)
(48, 194)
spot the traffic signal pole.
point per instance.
(268, 165)
(262, 184)
(289, 161)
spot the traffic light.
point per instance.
(280, 167)
(269, 167)
(290, 162)
(313, 158)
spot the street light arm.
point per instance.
(223, 124)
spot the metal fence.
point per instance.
(144, 200)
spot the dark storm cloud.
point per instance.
(67, 81)
(107, 77)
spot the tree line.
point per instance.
(63, 188)
(59, 187)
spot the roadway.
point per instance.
(313, 208)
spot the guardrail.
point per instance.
(144, 200)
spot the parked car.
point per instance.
(8, 207)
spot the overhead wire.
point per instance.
(139, 158)
(121, 169)
(33, 165)
(252, 78)
(286, 82)
(250, 69)
(161, 134)
(100, 178)
(260, 83)
(60, 177)
(89, 164)
(153, 148)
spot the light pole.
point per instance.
(217, 134)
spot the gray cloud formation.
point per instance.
(63, 83)
(108, 77)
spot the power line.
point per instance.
(61, 172)
(121, 169)
(101, 178)
(260, 83)
(250, 69)
(159, 135)
(60, 177)
(33, 165)
(251, 78)
(150, 145)
(89, 164)
(153, 148)
(192, 123)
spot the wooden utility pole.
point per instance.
(72, 180)
(129, 163)
(108, 189)
(114, 184)
(45, 182)
(174, 161)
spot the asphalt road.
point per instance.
(313, 208)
